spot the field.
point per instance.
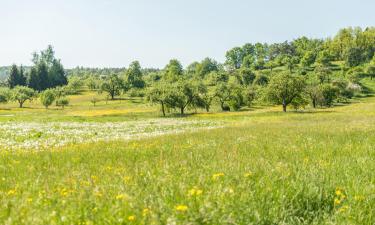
(122, 163)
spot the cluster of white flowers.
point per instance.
(42, 135)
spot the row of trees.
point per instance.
(47, 72)
(21, 94)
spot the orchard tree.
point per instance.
(62, 102)
(113, 86)
(160, 93)
(22, 94)
(47, 97)
(284, 88)
(134, 76)
(173, 71)
(4, 95)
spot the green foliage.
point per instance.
(16, 77)
(112, 85)
(62, 102)
(134, 76)
(22, 94)
(5, 94)
(284, 88)
(47, 97)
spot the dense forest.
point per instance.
(297, 73)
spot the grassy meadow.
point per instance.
(120, 162)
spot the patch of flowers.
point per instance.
(42, 135)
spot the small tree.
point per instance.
(159, 93)
(47, 97)
(22, 94)
(4, 95)
(112, 85)
(284, 88)
(94, 100)
(62, 102)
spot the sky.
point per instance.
(113, 33)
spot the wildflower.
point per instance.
(29, 200)
(337, 201)
(126, 179)
(145, 212)
(181, 208)
(195, 191)
(217, 176)
(344, 208)
(121, 196)
(12, 192)
(131, 218)
(248, 174)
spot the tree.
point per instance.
(173, 71)
(159, 93)
(33, 80)
(314, 91)
(370, 71)
(234, 58)
(56, 74)
(16, 77)
(112, 85)
(42, 71)
(324, 58)
(207, 66)
(353, 56)
(330, 93)
(62, 102)
(308, 59)
(183, 93)
(22, 94)
(134, 76)
(284, 88)
(47, 97)
(4, 95)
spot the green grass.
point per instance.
(262, 167)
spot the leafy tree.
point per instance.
(160, 93)
(324, 58)
(206, 66)
(62, 102)
(134, 76)
(74, 85)
(323, 73)
(308, 59)
(234, 58)
(4, 95)
(353, 56)
(370, 70)
(284, 88)
(314, 91)
(330, 93)
(247, 76)
(47, 97)
(22, 94)
(56, 74)
(113, 86)
(183, 94)
(173, 71)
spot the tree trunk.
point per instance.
(182, 110)
(314, 103)
(207, 109)
(21, 104)
(284, 105)
(112, 96)
(162, 108)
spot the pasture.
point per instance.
(120, 162)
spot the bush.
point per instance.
(136, 92)
(47, 97)
(62, 102)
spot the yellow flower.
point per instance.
(248, 174)
(337, 201)
(29, 200)
(12, 192)
(126, 179)
(181, 208)
(131, 218)
(121, 196)
(217, 176)
(145, 212)
(359, 197)
(195, 191)
(344, 208)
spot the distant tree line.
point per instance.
(319, 72)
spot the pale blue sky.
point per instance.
(112, 33)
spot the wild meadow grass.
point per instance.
(262, 167)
